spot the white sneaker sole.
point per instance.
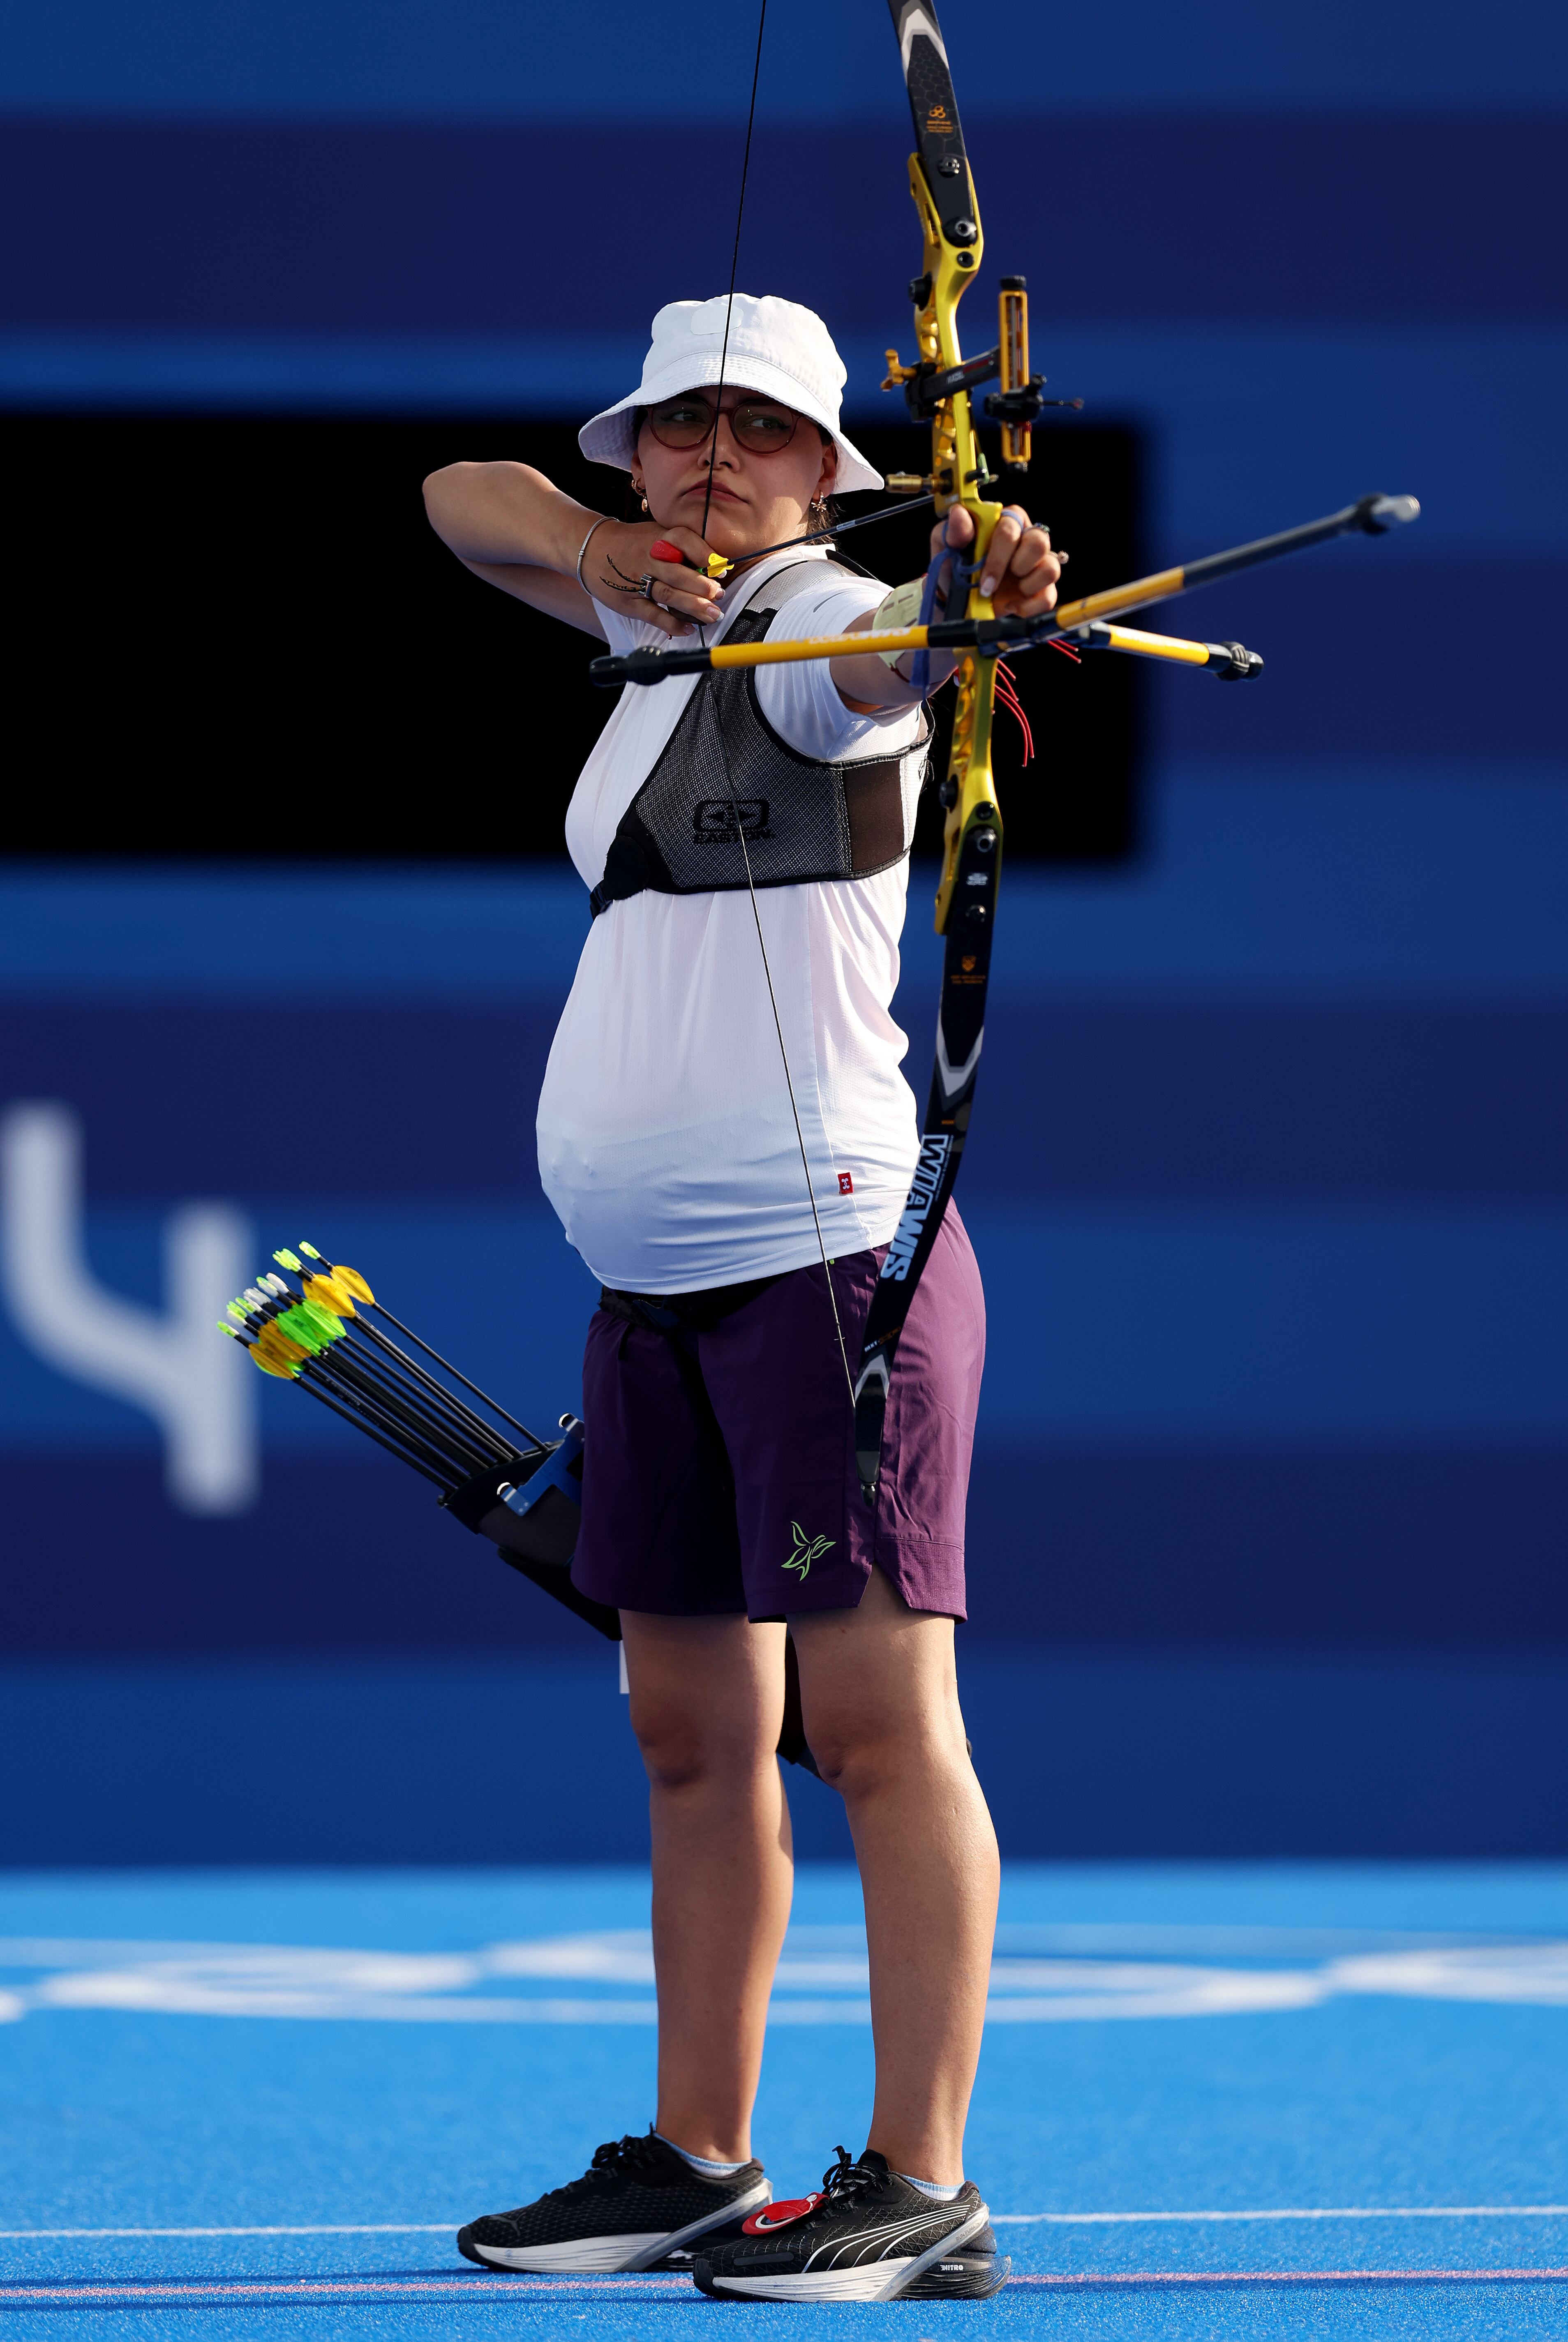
(877, 2281)
(596, 2256)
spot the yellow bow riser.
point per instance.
(958, 471)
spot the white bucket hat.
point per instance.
(774, 346)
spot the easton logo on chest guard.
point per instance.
(723, 821)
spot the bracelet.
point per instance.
(582, 548)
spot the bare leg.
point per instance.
(880, 1697)
(707, 1698)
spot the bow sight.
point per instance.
(1016, 405)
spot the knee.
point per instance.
(675, 1748)
(843, 1764)
(682, 1749)
(852, 1755)
(859, 1755)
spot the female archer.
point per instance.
(728, 1140)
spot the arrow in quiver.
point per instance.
(316, 1324)
(319, 1325)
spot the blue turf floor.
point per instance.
(270, 2097)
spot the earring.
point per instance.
(645, 504)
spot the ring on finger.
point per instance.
(645, 584)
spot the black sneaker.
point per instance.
(869, 2236)
(637, 2204)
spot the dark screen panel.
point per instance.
(237, 634)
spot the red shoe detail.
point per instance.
(779, 2215)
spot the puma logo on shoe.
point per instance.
(807, 1550)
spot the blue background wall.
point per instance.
(1270, 1170)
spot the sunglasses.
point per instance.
(756, 424)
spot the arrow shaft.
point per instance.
(1374, 515)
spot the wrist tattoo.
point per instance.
(631, 585)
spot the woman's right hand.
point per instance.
(621, 554)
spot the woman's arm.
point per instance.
(516, 529)
(1020, 582)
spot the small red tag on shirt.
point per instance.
(845, 1184)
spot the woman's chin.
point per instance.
(729, 525)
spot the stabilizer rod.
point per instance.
(1373, 516)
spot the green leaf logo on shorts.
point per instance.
(806, 1550)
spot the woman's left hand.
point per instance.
(1021, 571)
(1019, 581)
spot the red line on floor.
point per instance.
(1304, 2276)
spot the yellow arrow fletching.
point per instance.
(352, 1282)
(332, 1294)
(273, 1342)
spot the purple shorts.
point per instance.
(774, 1522)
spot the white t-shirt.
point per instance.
(667, 1140)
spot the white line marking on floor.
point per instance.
(1011, 2219)
(398, 2288)
(481, 2288)
(381, 2229)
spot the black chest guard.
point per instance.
(726, 775)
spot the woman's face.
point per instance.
(768, 467)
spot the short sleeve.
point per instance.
(801, 701)
(624, 634)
